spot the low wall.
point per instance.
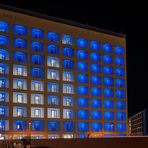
(127, 142)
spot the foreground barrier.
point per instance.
(126, 142)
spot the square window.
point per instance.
(37, 86)
(68, 114)
(2, 111)
(68, 102)
(19, 112)
(19, 98)
(37, 99)
(37, 112)
(2, 69)
(19, 71)
(2, 97)
(67, 39)
(19, 84)
(53, 113)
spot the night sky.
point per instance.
(122, 17)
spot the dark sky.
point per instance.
(120, 16)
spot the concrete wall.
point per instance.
(127, 142)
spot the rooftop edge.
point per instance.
(68, 22)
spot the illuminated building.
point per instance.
(61, 78)
(138, 124)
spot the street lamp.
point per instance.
(29, 129)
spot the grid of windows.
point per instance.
(97, 64)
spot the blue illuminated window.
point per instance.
(53, 100)
(37, 125)
(37, 33)
(82, 78)
(83, 126)
(68, 64)
(53, 49)
(20, 29)
(121, 116)
(53, 37)
(95, 45)
(108, 115)
(37, 46)
(68, 52)
(107, 59)
(4, 40)
(120, 94)
(95, 80)
(120, 105)
(96, 126)
(83, 114)
(37, 59)
(20, 57)
(96, 103)
(121, 127)
(82, 66)
(4, 111)
(4, 68)
(82, 90)
(108, 92)
(4, 54)
(108, 70)
(108, 81)
(20, 125)
(83, 102)
(119, 50)
(95, 68)
(95, 57)
(95, 91)
(4, 82)
(67, 39)
(3, 125)
(82, 54)
(108, 104)
(4, 26)
(82, 42)
(4, 96)
(69, 126)
(120, 72)
(107, 48)
(120, 83)
(96, 115)
(37, 72)
(119, 61)
(53, 126)
(53, 87)
(20, 43)
(109, 127)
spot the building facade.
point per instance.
(60, 79)
(138, 124)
